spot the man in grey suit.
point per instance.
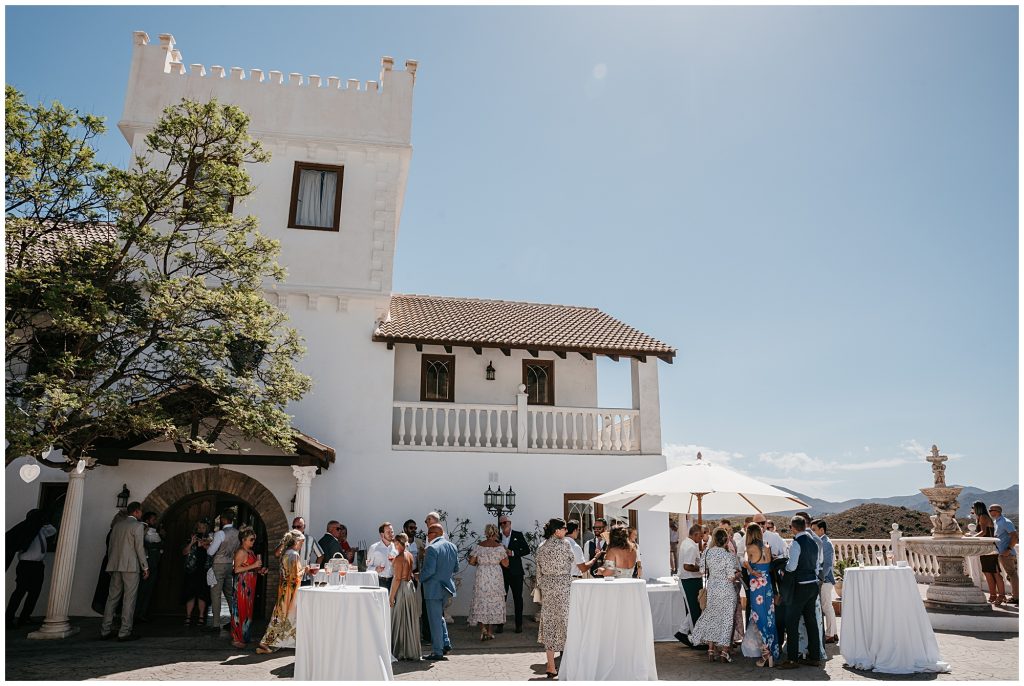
(126, 557)
(438, 580)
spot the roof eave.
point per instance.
(614, 353)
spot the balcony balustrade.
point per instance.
(514, 428)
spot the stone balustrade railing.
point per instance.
(514, 428)
(883, 551)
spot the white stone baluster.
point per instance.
(508, 429)
(543, 417)
(414, 432)
(401, 426)
(575, 440)
(486, 414)
(455, 429)
(476, 429)
(433, 424)
(444, 426)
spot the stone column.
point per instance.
(303, 480)
(644, 377)
(57, 624)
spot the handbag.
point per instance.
(752, 641)
(536, 593)
(211, 578)
(702, 594)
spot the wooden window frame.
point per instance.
(550, 366)
(427, 358)
(293, 205)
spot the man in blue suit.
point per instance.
(438, 580)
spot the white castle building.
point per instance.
(418, 402)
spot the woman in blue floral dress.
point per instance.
(761, 595)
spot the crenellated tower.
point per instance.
(332, 193)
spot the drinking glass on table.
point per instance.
(878, 557)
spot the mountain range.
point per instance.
(1009, 498)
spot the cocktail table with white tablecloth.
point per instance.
(668, 607)
(610, 635)
(362, 579)
(884, 625)
(343, 633)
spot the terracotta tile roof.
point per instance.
(437, 320)
(47, 246)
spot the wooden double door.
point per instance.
(178, 523)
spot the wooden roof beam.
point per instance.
(587, 356)
(560, 354)
(533, 352)
(507, 352)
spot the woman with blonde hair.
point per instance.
(281, 630)
(488, 556)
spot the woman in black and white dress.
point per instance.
(715, 626)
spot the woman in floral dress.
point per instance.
(488, 556)
(715, 625)
(247, 565)
(281, 630)
(762, 595)
(554, 574)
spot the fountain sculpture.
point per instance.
(953, 588)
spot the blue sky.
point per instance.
(818, 207)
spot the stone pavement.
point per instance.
(170, 651)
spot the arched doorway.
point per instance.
(204, 494)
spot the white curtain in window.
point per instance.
(315, 206)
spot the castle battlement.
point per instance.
(280, 105)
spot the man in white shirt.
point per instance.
(381, 554)
(673, 544)
(690, 576)
(772, 539)
(572, 532)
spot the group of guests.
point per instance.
(788, 591)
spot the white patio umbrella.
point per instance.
(700, 487)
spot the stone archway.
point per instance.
(215, 479)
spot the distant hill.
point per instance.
(1009, 498)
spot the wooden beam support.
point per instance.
(507, 352)
(587, 356)
(419, 347)
(478, 350)
(533, 352)
(113, 457)
(614, 357)
(448, 349)
(560, 354)
(642, 358)
(666, 358)
(391, 346)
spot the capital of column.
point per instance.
(303, 475)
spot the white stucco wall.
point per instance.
(575, 376)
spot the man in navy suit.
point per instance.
(438, 580)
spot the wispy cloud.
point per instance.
(802, 462)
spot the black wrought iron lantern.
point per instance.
(122, 497)
(499, 502)
(490, 371)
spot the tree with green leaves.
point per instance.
(134, 302)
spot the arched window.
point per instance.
(539, 377)
(437, 378)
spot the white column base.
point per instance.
(54, 631)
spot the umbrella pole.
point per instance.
(700, 515)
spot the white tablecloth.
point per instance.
(362, 579)
(668, 609)
(610, 635)
(884, 626)
(343, 633)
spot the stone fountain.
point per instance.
(953, 588)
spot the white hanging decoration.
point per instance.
(47, 453)
(80, 467)
(29, 472)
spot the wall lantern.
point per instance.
(490, 372)
(122, 497)
(293, 502)
(498, 502)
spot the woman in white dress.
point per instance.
(488, 556)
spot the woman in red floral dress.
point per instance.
(247, 565)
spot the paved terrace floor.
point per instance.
(170, 651)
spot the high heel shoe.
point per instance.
(766, 660)
(552, 675)
(724, 656)
(712, 655)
